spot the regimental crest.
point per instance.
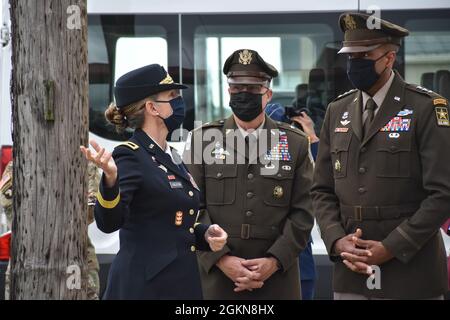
(245, 57)
(350, 22)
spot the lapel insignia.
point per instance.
(280, 151)
(286, 168)
(397, 124)
(404, 112)
(179, 218)
(345, 122)
(397, 98)
(162, 168)
(442, 116)
(341, 130)
(278, 192)
(171, 177)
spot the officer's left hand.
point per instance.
(216, 237)
(361, 264)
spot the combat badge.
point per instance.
(442, 116)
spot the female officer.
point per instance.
(147, 193)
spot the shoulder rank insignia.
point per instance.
(442, 116)
(129, 144)
(345, 94)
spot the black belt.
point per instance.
(361, 213)
(250, 231)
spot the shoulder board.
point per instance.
(345, 94)
(218, 123)
(286, 126)
(439, 103)
(437, 99)
(129, 144)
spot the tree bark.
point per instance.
(50, 121)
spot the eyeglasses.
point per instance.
(252, 88)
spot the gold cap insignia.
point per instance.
(179, 218)
(278, 192)
(337, 166)
(167, 80)
(245, 57)
(350, 22)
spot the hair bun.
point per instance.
(115, 117)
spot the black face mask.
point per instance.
(361, 72)
(246, 106)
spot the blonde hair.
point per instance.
(131, 116)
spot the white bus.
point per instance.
(192, 39)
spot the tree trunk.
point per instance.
(50, 122)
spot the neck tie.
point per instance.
(369, 111)
(250, 148)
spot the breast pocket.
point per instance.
(393, 155)
(276, 189)
(339, 154)
(221, 182)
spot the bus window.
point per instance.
(427, 54)
(116, 45)
(133, 53)
(301, 53)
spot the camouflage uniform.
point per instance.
(93, 266)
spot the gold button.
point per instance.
(191, 230)
(191, 212)
(193, 248)
(191, 193)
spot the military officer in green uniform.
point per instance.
(92, 262)
(381, 185)
(255, 180)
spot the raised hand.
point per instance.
(102, 159)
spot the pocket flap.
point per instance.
(341, 142)
(221, 171)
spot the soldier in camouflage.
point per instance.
(93, 266)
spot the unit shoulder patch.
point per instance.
(442, 117)
(129, 144)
